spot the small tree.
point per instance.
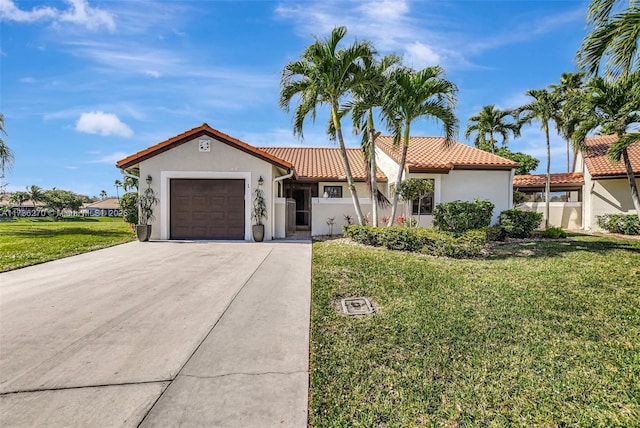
(414, 189)
(259, 210)
(146, 201)
(59, 200)
(19, 198)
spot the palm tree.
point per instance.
(613, 108)
(19, 198)
(413, 94)
(103, 194)
(326, 75)
(544, 108)
(117, 184)
(614, 38)
(35, 194)
(367, 97)
(6, 155)
(489, 122)
(571, 94)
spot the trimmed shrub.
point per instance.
(367, 235)
(553, 233)
(495, 233)
(626, 224)
(446, 244)
(129, 207)
(519, 223)
(460, 216)
(400, 238)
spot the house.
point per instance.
(205, 181)
(596, 186)
(109, 207)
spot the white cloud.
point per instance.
(420, 55)
(110, 158)
(99, 122)
(79, 12)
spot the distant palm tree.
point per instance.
(613, 38)
(571, 93)
(103, 194)
(36, 194)
(6, 155)
(19, 198)
(367, 97)
(544, 108)
(489, 122)
(613, 109)
(326, 75)
(411, 95)
(117, 184)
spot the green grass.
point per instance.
(27, 242)
(539, 334)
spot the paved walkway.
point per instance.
(158, 334)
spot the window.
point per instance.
(333, 191)
(426, 204)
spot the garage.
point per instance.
(207, 209)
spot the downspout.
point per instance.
(273, 203)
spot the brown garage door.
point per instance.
(207, 209)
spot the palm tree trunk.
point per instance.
(374, 181)
(568, 150)
(632, 182)
(347, 167)
(403, 159)
(547, 182)
(493, 144)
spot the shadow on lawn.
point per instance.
(47, 233)
(547, 248)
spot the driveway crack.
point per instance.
(66, 388)
(245, 374)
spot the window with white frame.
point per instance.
(425, 205)
(333, 191)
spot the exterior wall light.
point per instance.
(260, 181)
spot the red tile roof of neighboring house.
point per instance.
(428, 154)
(562, 179)
(600, 166)
(323, 163)
(189, 135)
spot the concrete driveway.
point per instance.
(158, 334)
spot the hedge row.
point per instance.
(627, 224)
(465, 245)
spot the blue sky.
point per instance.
(85, 83)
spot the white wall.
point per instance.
(223, 161)
(567, 215)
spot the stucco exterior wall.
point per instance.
(567, 215)
(389, 167)
(466, 185)
(222, 161)
(611, 196)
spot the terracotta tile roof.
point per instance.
(189, 135)
(109, 203)
(428, 154)
(570, 178)
(323, 163)
(600, 166)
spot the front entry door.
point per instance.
(303, 208)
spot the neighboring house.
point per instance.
(205, 182)
(597, 186)
(109, 207)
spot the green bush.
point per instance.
(428, 241)
(460, 216)
(553, 233)
(367, 235)
(495, 233)
(129, 207)
(627, 224)
(519, 223)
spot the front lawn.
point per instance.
(539, 334)
(25, 242)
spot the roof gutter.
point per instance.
(273, 201)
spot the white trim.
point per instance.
(165, 176)
(337, 201)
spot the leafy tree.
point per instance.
(366, 97)
(414, 94)
(326, 75)
(129, 207)
(414, 189)
(19, 198)
(35, 193)
(489, 123)
(613, 109)
(613, 38)
(544, 108)
(6, 155)
(60, 200)
(526, 163)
